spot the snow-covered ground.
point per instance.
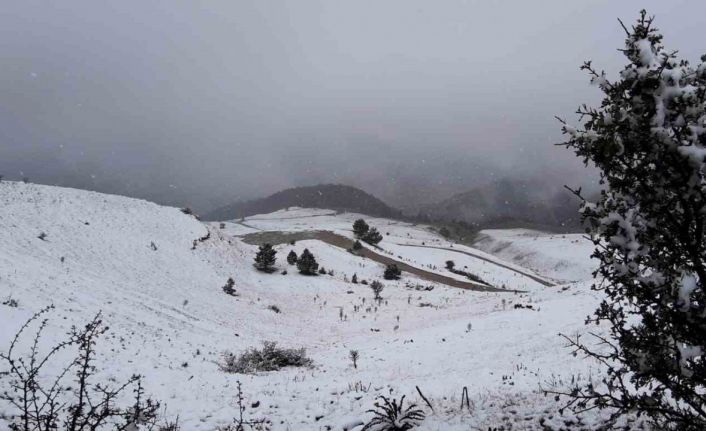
(170, 320)
(563, 257)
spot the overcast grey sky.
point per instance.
(201, 102)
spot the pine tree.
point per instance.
(354, 280)
(357, 245)
(360, 228)
(292, 257)
(229, 288)
(373, 236)
(450, 264)
(307, 263)
(648, 139)
(392, 272)
(265, 258)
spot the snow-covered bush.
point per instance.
(389, 415)
(648, 139)
(269, 358)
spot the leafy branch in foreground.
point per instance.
(648, 140)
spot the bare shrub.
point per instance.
(241, 422)
(49, 402)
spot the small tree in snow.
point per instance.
(354, 280)
(377, 288)
(392, 272)
(357, 245)
(373, 236)
(292, 258)
(648, 139)
(229, 287)
(360, 228)
(307, 264)
(354, 358)
(265, 258)
(450, 265)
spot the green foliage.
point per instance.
(392, 272)
(373, 236)
(265, 258)
(292, 258)
(307, 264)
(360, 228)
(647, 139)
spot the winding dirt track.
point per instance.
(277, 237)
(539, 280)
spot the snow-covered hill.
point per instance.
(170, 320)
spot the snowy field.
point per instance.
(170, 320)
(563, 257)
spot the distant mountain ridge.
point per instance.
(330, 196)
(509, 203)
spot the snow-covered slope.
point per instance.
(170, 320)
(560, 256)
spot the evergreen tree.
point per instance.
(360, 228)
(306, 264)
(373, 236)
(229, 288)
(648, 139)
(357, 245)
(265, 258)
(354, 280)
(392, 272)
(292, 257)
(450, 264)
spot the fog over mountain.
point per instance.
(207, 103)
